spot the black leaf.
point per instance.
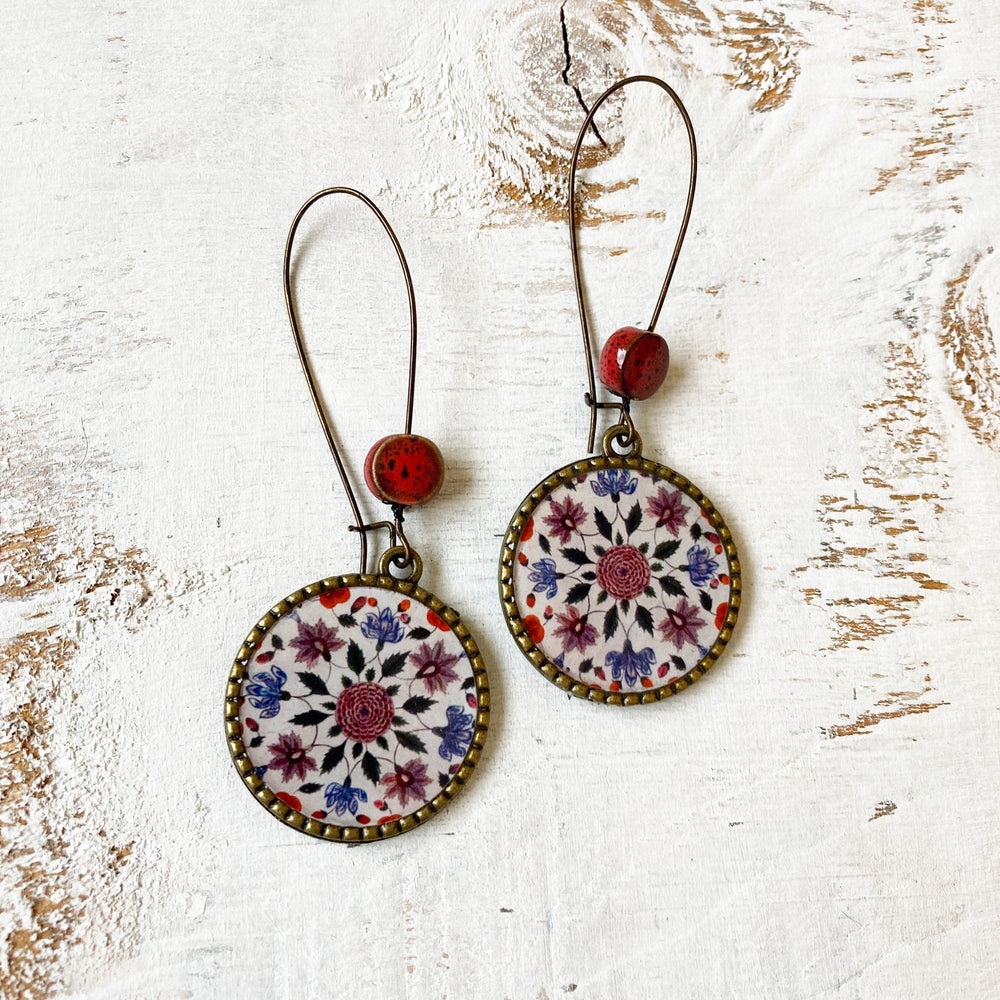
(382, 742)
(276, 642)
(586, 666)
(600, 549)
(392, 665)
(678, 663)
(333, 732)
(330, 706)
(311, 718)
(644, 619)
(649, 592)
(309, 788)
(392, 690)
(666, 549)
(696, 531)
(603, 524)
(345, 680)
(625, 607)
(256, 742)
(672, 586)
(706, 601)
(543, 544)
(332, 758)
(348, 621)
(611, 622)
(644, 547)
(311, 681)
(419, 632)
(577, 556)
(371, 767)
(589, 575)
(444, 779)
(602, 596)
(399, 720)
(370, 674)
(355, 658)
(619, 540)
(468, 683)
(418, 703)
(356, 750)
(408, 741)
(634, 518)
(577, 593)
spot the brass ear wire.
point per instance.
(591, 396)
(398, 538)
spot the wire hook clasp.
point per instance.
(395, 527)
(591, 397)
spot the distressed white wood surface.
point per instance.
(817, 817)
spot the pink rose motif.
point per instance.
(623, 572)
(364, 711)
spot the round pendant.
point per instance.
(357, 708)
(619, 580)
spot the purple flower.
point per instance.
(565, 518)
(314, 642)
(291, 756)
(382, 627)
(668, 509)
(627, 665)
(408, 780)
(574, 632)
(435, 665)
(681, 625)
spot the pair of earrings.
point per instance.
(358, 706)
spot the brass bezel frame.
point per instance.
(330, 831)
(537, 658)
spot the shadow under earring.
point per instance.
(357, 707)
(619, 579)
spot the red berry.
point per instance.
(404, 469)
(634, 363)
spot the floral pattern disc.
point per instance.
(358, 711)
(620, 580)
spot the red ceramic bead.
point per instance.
(404, 469)
(634, 363)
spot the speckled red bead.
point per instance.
(634, 363)
(404, 469)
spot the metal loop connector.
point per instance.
(401, 557)
(624, 436)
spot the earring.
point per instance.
(619, 579)
(358, 706)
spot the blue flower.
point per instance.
(382, 627)
(456, 736)
(265, 692)
(628, 664)
(343, 798)
(613, 482)
(543, 576)
(701, 566)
